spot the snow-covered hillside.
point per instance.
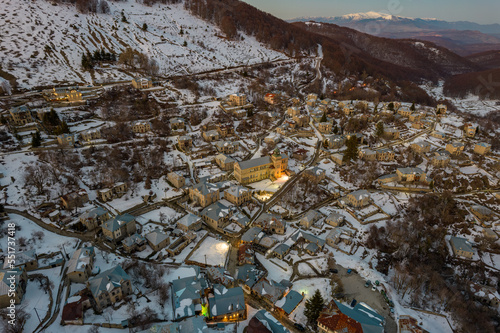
(42, 43)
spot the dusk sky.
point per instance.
(480, 11)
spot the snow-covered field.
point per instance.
(268, 185)
(213, 251)
(275, 272)
(49, 243)
(44, 45)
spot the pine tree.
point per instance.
(84, 61)
(104, 55)
(323, 118)
(87, 63)
(96, 56)
(65, 127)
(335, 129)
(313, 307)
(36, 139)
(390, 106)
(380, 129)
(351, 153)
(145, 27)
(412, 108)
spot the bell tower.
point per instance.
(277, 160)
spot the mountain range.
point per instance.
(462, 37)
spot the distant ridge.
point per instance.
(461, 37)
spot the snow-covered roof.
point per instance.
(227, 302)
(107, 280)
(461, 244)
(189, 219)
(216, 211)
(118, 221)
(80, 259)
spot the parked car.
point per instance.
(374, 288)
(353, 303)
(299, 327)
(349, 271)
(368, 283)
(333, 270)
(377, 283)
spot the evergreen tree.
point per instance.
(145, 27)
(313, 308)
(64, 127)
(87, 62)
(36, 139)
(84, 61)
(96, 56)
(390, 106)
(51, 118)
(412, 108)
(335, 129)
(351, 153)
(323, 118)
(379, 131)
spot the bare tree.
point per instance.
(18, 322)
(36, 176)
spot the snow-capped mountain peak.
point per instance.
(366, 16)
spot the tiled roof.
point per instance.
(118, 221)
(216, 211)
(156, 237)
(107, 280)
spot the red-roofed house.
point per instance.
(333, 320)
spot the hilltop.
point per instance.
(44, 47)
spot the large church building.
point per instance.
(256, 169)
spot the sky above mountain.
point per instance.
(480, 11)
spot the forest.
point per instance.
(485, 84)
(413, 247)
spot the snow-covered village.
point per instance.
(163, 170)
